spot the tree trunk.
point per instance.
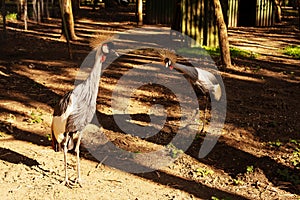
(223, 37)
(47, 13)
(68, 30)
(277, 4)
(3, 11)
(140, 12)
(25, 14)
(20, 9)
(299, 13)
(37, 11)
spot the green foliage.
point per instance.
(236, 52)
(35, 117)
(293, 51)
(238, 182)
(276, 143)
(296, 142)
(250, 169)
(296, 158)
(49, 137)
(9, 16)
(256, 69)
(296, 154)
(203, 172)
(215, 51)
(174, 151)
(195, 51)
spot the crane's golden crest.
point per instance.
(99, 38)
(165, 53)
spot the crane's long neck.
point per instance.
(94, 77)
(190, 71)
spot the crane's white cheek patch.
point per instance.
(105, 49)
(59, 127)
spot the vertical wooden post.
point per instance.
(299, 12)
(38, 11)
(4, 18)
(25, 15)
(140, 12)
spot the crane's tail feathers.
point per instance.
(217, 92)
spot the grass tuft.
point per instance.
(293, 51)
(215, 52)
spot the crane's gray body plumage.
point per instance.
(76, 109)
(204, 80)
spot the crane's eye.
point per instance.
(167, 62)
(105, 49)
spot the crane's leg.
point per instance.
(78, 180)
(204, 117)
(66, 181)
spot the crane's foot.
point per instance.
(78, 182)
(67, 183)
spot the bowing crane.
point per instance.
(202, 79)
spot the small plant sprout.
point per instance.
(203, 172)
(174, 151)
(276, 144)
(238, 182)
(35, 117)
(295, 160)
(48, 137)
(256, 69)
(250, 169)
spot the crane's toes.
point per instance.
(67, 183)
(78, 182)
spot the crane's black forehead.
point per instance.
(166, 60)
(110, 45)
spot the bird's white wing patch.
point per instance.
(210, 82)
(59, 122)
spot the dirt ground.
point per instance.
(255, 158)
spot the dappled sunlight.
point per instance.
(262, 111)
(245, 78)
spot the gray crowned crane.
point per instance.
(202, 79)
(76, 109)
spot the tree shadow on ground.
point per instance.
(235, 162)
(16, 158)
(192, 187)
